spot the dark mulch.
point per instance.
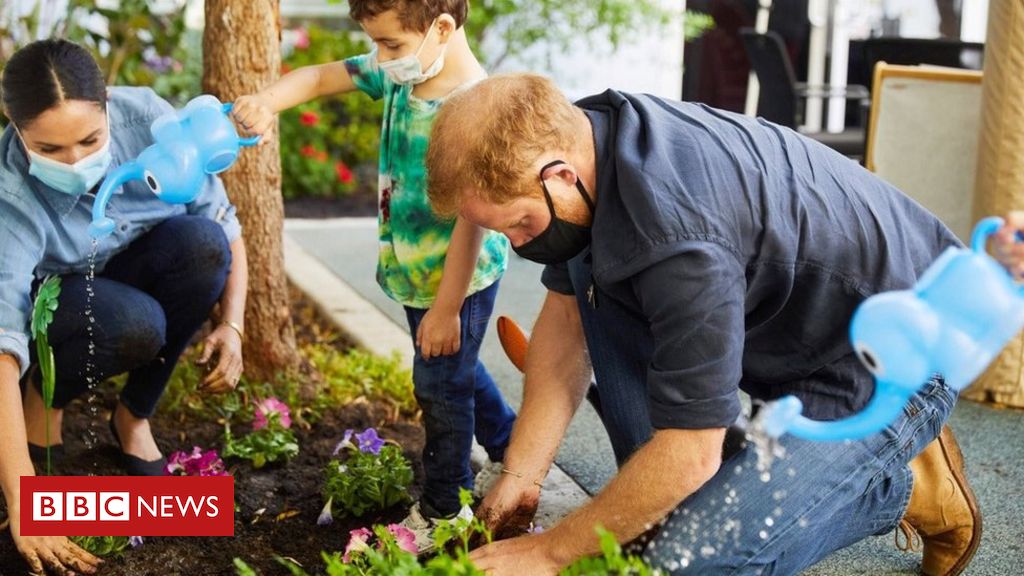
(357, 204)
(291, 491)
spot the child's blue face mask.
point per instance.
(72, 179)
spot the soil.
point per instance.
(291, 491)
(356, 204)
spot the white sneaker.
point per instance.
(486, 478)
(422, 527)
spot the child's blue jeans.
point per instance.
(458, 399)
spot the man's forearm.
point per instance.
(557, 375)
(660, 475)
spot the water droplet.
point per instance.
(707, 551)
(766, 476)
(763, 534)
(802, 523)
(738, 469)
(769, 522)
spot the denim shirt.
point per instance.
(744, 248)
(44, 232)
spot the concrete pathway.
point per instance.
(335, 262)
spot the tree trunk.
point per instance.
(241, 54)
(999, 184)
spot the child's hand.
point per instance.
(254, 114)
(439, 334)
(1007, 247)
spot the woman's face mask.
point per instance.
(561, 240)
(407, 70)
(72, 179)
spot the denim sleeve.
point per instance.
(366, 75)
(555, 277)
(21, 249)
(213, 203)
(694, 302)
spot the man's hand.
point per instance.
(533, 555)
(226, 344)
(254, 114)
(1006, 246)
(53, 554)
(439, 333)
(509, 507)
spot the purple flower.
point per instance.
(346, 441)
(535, 529)
(195, 463)
(325, 517)
(160, 64)
(357, 542)
(265, 410)
(405, 538)
(369, 442)
(135, 541)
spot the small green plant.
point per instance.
(42, 316)
(271, 440)
(391, 550)
(243, 569)
(367, 478)
(356, 374)
(611, 561)
(102, 546)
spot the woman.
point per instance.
(158, 276)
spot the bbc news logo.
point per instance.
(128, 506)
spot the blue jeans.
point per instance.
(819, 498)
(148, 303)
(458, 399)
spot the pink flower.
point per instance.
(356, 543)
(301, 38)
(343, 172)
(266, 409)
(309, 118)
(196, 463)
(404, 537)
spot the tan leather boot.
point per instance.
(514, 341)
(942, 509)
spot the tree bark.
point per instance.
(999, 184)
(241, 54)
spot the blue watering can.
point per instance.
(956, 319)
(196, 141)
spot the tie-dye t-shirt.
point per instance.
(413, 240)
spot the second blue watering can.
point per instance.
(190, 144)
(953, 322)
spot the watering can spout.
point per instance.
(783, 417)
(101, 225)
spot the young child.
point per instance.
(445, 274)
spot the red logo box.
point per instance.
(127, 506)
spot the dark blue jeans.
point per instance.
(459, 399)
(819, 498)
(147, 303)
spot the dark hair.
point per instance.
(45, 73)
(414, 15)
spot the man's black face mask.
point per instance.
(562, 239)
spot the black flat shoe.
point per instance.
(38, 453)
(134, 465)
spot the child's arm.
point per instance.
(1006, 245)
(439, 333)
(255, 112)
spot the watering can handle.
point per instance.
(982, 230)
(252, 140)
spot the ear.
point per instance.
(565, 172)
(445, 27)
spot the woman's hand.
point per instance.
(254, 114)
(226, 343)
(1007, 247)
(439, 333)
(55, 554)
